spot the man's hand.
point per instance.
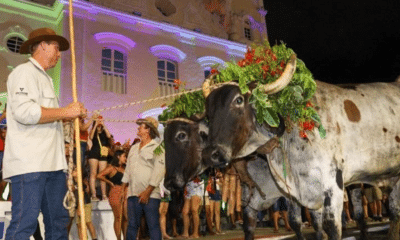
(145, 195)
(74, 110)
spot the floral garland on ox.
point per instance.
(263, 64)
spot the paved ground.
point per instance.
(378, 231)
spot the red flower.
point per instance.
(178, 83)
(214, 71)
(273, 73)
(307, 125)
(303, 134)
(282, 64)
(265, 68)
(242, 63)
(274, 57)
(309, 104)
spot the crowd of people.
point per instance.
(211, 195)
(130, 176)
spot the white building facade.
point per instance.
(128, 51)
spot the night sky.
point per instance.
(340, 41)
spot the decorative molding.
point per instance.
(236, 51)
(260, 27)
(152, 112)
(168, 52)
(114, 38)
(186, 38)
(208, 61)
(17, 29)
(262, 11)
(34, 11)
(99, 12)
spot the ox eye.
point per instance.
(239, 100)
(181, 136)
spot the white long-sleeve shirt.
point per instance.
(30, 146)
(143, 168)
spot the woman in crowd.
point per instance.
(194, 191)
(112, 175)
(84, 137)
(231, 193)
(87, 207)
(165, 199)
(281, 205)
(215, 200)
(98, 154)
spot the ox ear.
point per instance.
(198, 117)
(252, 85)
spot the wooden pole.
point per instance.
(76, 124)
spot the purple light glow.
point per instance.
(185, 35)
(168, 52)
(209, 61)
(114, 38)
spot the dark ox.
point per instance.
(362, 145)
(184, 140)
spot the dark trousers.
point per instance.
(35, 192)
(150, 210)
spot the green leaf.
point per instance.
(160, 149)
(322, 132)
(271, 117)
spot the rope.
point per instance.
(155, 99)
(144, 101)
(76, 126)
(69, 199)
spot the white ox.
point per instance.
(362, 145)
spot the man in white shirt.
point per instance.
(143, 173)
(34, 158)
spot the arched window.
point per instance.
(167, 72)
(167, 67)
(113, 65)
(14, 43)
(114, 60)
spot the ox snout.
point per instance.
(174, 184)
(214, 157)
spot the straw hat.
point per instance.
(150, 122)
(43, 34)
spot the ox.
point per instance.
(184, 142)
(362, 144)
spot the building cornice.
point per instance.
(95, 12)
(52, 15)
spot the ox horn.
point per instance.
(284, 79)
(207, 86)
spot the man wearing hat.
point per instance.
(144, 172)
(34, 158)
